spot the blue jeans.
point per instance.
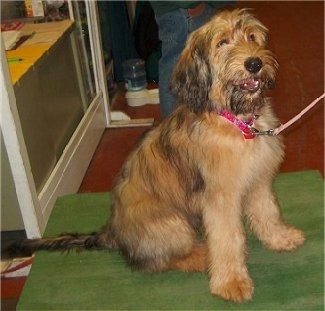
(174, 28)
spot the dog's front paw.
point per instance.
(237, 289)
(285, 239)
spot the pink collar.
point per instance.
(245, 127)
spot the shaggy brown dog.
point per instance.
(181, 195)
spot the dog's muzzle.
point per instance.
(252, 84)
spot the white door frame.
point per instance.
(72, 165)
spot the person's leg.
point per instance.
(174, 28)
(173, 34)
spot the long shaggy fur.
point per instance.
(180, 197)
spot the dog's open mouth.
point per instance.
(251, 85)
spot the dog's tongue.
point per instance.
(250, 85)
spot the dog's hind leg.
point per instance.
(194, 261)
(153, 240)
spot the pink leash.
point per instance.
(282, 127)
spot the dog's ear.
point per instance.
(192, 79)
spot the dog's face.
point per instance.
(225, 65)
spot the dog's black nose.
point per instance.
(253, 64)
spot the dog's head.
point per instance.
(225, 65)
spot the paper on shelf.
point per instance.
(10, 38)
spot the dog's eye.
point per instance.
(223, 42)
(251, 37)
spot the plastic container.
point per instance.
(134, 74)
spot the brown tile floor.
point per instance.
(297, 38)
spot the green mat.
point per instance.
(100, 280)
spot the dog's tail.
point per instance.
(64, 242)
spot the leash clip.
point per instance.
(269, 132)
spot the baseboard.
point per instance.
(71, 167)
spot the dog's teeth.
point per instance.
(249, 84)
